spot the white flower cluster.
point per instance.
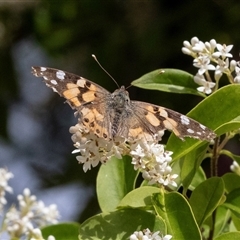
(204, 55)
(93, 149)
(153, 161)
(148, 157)
(147, 235)
(4, 187)
(31, 215)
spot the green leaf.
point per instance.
(62, 231)
(190, 165)
(231, 235)
(236, 220)
(213, 111)
(227, 127)
(168, 80)
(177, 213)
(198, 178)
(120, 224)
(221, 220)
(233, 201)
(140, 197)
(115, 179)
(206, 197)
(231, 181)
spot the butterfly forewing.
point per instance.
(77, 90)
(88, 98)
(111, 115)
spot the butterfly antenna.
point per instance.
(95, 58)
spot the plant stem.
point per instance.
(214, 160)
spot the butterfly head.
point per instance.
(121, 97)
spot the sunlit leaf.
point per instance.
(115, 179)
(175, 210)
(120, 224)
(168, 80)
(140, 197)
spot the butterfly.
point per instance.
(110, 115)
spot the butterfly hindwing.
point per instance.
(182, 126)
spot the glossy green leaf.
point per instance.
(236, 220)
(62, 231)
(230, 236)
(198, 178)
(115, 179)
(190, 164)
(214, 111)
(168, 80)
(206, 197)
(140, 197)
(120, 224)
(233, 200)
(227, 127)
(176, 212)
(221, 220)
(231, 181)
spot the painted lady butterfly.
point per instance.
(109, 115)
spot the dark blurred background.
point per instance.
(130, 38)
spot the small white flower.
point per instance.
(206, 86)
(186, 51)
(193, 48)
(5, 176)
(167, 237)
(146, 234)
(194, 41)
(233, 64)
(203, 63)
(235, 168)
(199, 47)
(223, 50)
(221, 68)
(211, 45)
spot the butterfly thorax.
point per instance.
(119, 109)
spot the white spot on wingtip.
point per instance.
(202, 126)
(54, 82)
(190, 130)
(43, 69)
(184, 120)
(60, 74)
